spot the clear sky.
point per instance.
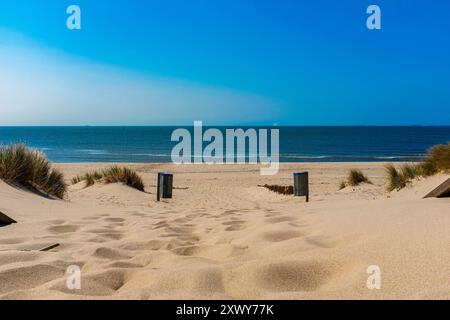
(224, 62)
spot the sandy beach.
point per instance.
(224, 237)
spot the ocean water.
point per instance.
(297, 144)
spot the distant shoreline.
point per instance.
(226, 126)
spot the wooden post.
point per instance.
(158, 196)
(301, 185)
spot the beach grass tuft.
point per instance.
(77, 179)
(113, 174)
(27, 167)
(356, 177)
(395, 178)
(286, 190)
(437, 160)
(124, 175)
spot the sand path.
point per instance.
(224, 237)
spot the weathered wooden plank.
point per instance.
(443, 190)
(5, 220)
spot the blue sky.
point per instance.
(224, 62)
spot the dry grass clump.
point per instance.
(124, 175)
(354, 178)
(437, 160)
(90, 178)
(113, 174)
(286, 190)
(30, 168)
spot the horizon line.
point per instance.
(226, 125)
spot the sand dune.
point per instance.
(224, 237)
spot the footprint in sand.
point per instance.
(230, 212)
(159, 225)
(145, 245)
(182, 220)
(234, 225)
(21, 278)
(114, 219)
(208, 280)
(113, 279)
(280, 219)
(180, 230)
(186, 251)
(294, 275)
(138, 214)
(183, 237)
(124, 265)
(57, 222)
(321, 242)
(7, 258)
(58, 229)
(113, 235)
(13, 240)
(108, 232)
(281, 235)
(98, 284)
(96, 239)
(233, 222)
(111, 254)
(91, 218)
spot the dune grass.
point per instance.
(113, 174)
(437, 160)
(354, 178)
(342, 185)
(27, 167)
(90, 178)
(396, 180)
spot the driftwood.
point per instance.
(286, 190)
(47, 248)
(442, 191)
(53, 246)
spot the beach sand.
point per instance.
(224, 237)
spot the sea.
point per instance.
(296, 144)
